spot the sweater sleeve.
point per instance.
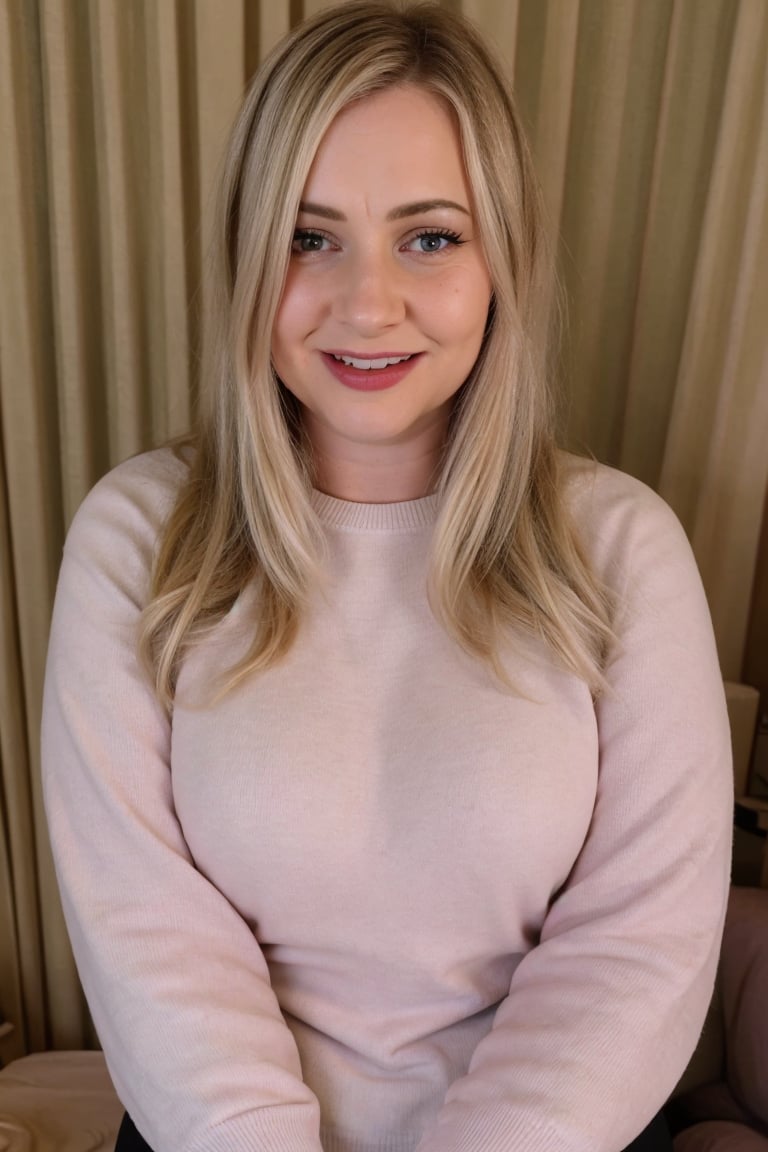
(178, 988)
(605, 1011)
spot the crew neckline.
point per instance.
(402, 516)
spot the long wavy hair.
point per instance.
(504, 552)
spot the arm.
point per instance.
(177, 985)
(604, 1013)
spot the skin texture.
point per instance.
(377, 283)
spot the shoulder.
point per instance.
(604, 500)
(142, 486)
(638, 549)
(618, 519)
(116, 528)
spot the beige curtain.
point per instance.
(649, 121)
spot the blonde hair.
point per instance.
(504, 553)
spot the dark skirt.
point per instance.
(655, 1138)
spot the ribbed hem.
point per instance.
(271, 1129)
(406, 516)
(491, 1128)
(494, 1127)
(335, 1141)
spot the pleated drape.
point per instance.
(715, 466)
(649, 125)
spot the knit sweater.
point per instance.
(371, 901)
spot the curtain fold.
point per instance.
(20, 951)
(715, 464)
(620, 58)
(33, 529)
(694, 85)
(648, 120)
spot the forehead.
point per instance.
(405, 135)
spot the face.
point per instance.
(387, 291)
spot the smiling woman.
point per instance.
(386, 759)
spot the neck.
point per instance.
(378, 473)
(367, 484)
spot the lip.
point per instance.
(370, 379)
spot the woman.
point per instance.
(386, 759)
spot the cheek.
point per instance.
(460, 309)
(297, 310)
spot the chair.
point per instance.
(721, 1104)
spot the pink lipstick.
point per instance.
(370, 379)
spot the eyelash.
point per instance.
(308, 234)
(453, 238)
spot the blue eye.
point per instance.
(429, 242)
(305, 241)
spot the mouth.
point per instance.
(372, 363)
(370, 373)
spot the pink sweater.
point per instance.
(370, 902)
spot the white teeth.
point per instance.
(367, 365)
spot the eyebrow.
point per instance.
(417, 208)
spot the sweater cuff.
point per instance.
(269, 1129)
(493, 1128)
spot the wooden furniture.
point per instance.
(58, 1102)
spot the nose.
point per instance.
(369, 295)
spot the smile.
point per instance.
(370, 365)
(370, 374)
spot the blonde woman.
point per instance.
(385, 752)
